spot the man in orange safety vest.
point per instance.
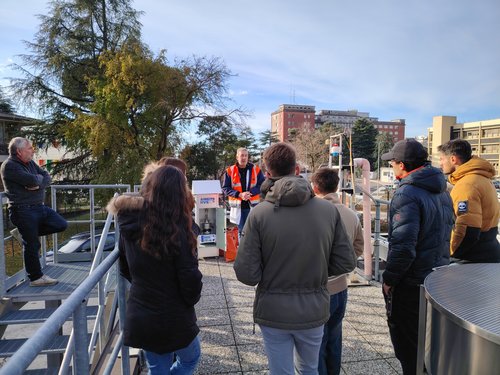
(242, 187)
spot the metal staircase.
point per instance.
(70, 275)
(80, 352)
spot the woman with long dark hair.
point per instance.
(158, 256)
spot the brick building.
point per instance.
(292, 116)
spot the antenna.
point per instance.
(292, 94)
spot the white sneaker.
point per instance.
(44, 281)
(15, 233)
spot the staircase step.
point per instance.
(43, 371)
(9, 346)
(36, 315)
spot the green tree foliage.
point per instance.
(140, 105)
(384, 142)
(364, 140)
(64, 57)
(5, 104)
(267, 138)
(113, 104)
(209, 158)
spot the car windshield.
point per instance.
(71, 245)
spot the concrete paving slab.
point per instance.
(367, 348)
(217, 335)
(229, 346)
(252, 357)
(396, 365)
(218, 360)
(355, 349)
(375, 367)
(213, 317)
(382, 345)
(211, 301)
(212, 285)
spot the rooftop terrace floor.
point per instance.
(230, 347)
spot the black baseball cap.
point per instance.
(408, 150)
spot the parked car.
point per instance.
(80, 243)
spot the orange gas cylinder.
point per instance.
(231, 244)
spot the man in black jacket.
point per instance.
(25, 182)
(421, 219)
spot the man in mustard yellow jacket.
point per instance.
(475, 202)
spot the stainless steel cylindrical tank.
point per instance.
(463, 320)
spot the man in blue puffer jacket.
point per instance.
(421, 220)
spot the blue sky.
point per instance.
(411, 59)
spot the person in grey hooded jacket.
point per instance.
(291, 243)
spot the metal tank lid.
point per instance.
(468, 294)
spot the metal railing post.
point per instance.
(92, 221)
(68, 355)
(376, 241)
(122, 306)
(3, 273)
(422, 321)
(81, 356)
(53, 202)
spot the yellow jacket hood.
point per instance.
(475, 165)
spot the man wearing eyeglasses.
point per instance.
(420, 223)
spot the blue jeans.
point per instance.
(243, 219)
(185, 362)
(283, 345)
(33, 221)
(330, 353)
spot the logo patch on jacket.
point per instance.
(462, 207)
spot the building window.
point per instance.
(489, 149)
(491, 133)
(471, 134)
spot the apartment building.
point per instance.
(484, 137)
(291, 116)
(346, 119)
(395, 128)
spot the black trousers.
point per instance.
(33, 221)
(402, 317)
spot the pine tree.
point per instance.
(364, 140)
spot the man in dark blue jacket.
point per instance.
(25, 182)
(421, 219)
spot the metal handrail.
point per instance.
(78, 341)
(7, 282)
(72, 306)
(376, 233)
(92, 221)
(98, 325)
